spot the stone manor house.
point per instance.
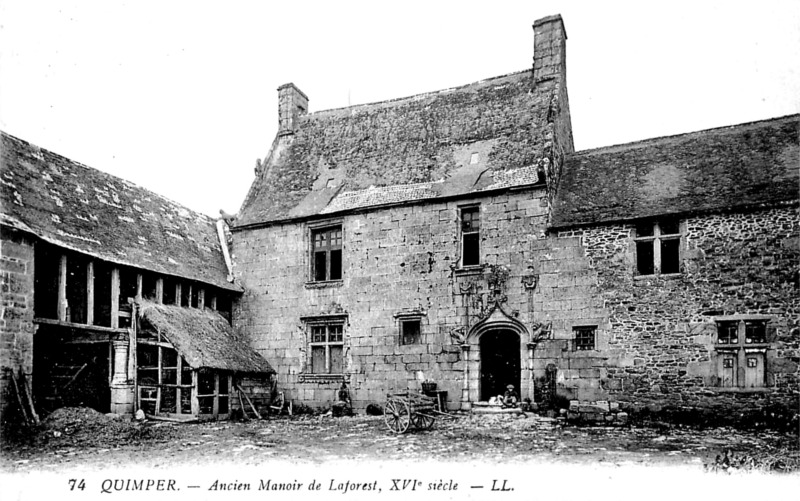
(453, 237)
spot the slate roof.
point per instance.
(412, 148)
(738, 167)
(204, 338)
(80, 208)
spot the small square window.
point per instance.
(752, 362)
(727, 363)
(410, 332)
(584, 338)
(755, 332)
(474, 158)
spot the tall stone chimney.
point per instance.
(292, 103)
(549, 49)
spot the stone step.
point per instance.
(493, 409)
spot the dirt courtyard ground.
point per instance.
(88, 439)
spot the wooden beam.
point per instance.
(90, 293)
(178, 389)
(214, 302)
(178, 294)
(110, 361)
(114, 297)
(159, 290)
(155, 343)
(230, 393)
(158, 391)
(201, 298)
(195, 400)
(132, 348)
(216, 395)
(138, 286)
(62, 288)
(71, 325)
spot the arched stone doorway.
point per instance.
(499, 334)
(500, 362)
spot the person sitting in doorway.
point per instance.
(510, 397)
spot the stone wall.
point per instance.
(16, 310)
(657, 346)
(396, 260)
(655, 336)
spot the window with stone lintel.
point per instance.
(658, 246)
(740, 348)
(470, 236)
(326, 347)
(326, 254)
(584, 338)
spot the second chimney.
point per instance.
(549, 49)
(292, 103)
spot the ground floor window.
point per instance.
(327, 348)
(740, 350)
(585, 338)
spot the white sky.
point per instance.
(180, 96)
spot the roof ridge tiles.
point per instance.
(417, 96)
(731, 129)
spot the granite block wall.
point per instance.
(397, 261)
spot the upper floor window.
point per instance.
(470, 236)
(326, 258)
(658, 247)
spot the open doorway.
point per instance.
(500, 362)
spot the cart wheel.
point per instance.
(397, 416)
(423, 421)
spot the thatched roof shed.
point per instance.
(204, 338)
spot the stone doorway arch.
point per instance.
(497, 325)
(500, 362)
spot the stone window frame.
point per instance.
(310, 323)
(657, 238)
(403, 317)
(579, 344)
(312, 229)
(462, 209)
(740, 353)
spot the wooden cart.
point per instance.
(404, 409)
